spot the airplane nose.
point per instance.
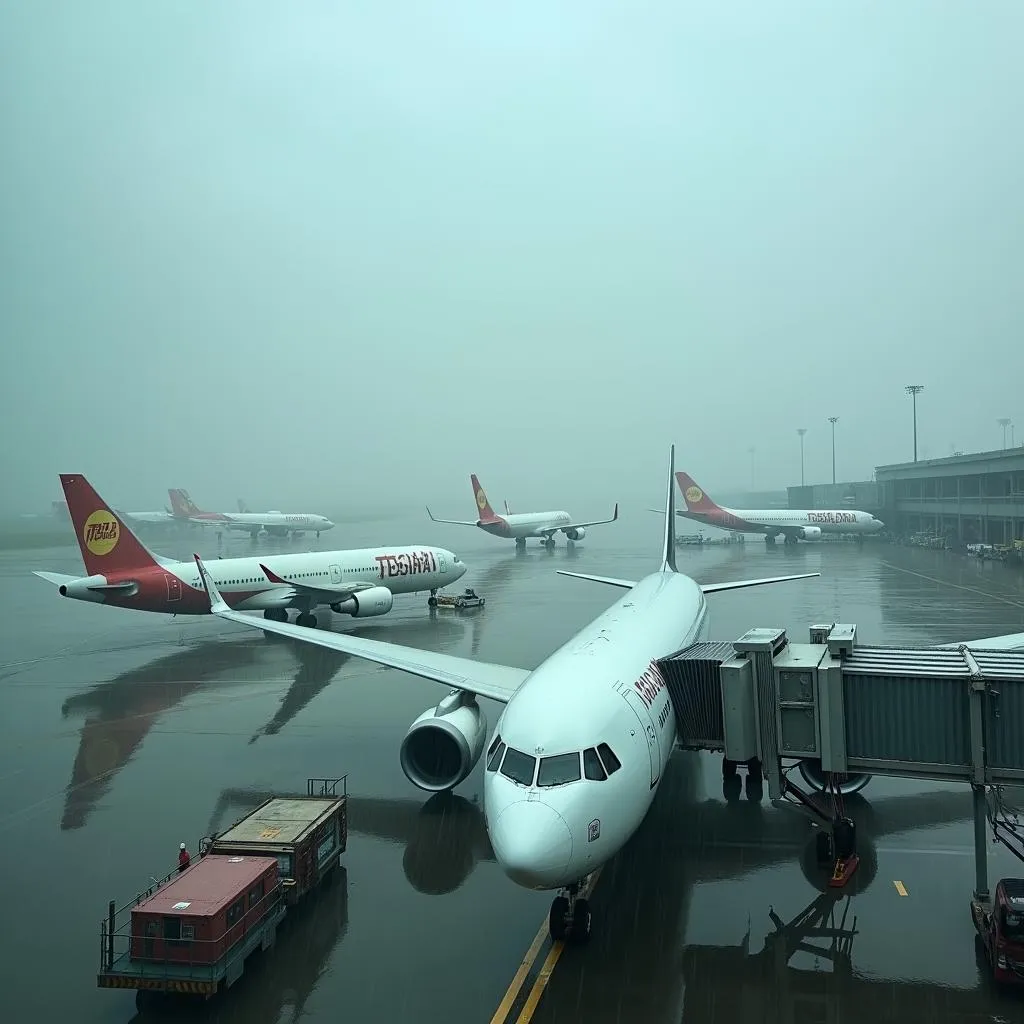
(533, 844)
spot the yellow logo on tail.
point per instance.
(481, 499)
(101, 532)
(693, 495)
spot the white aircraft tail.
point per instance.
(668, 558)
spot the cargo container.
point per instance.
(307, 834)
(192, 931)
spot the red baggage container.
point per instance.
(209, 908)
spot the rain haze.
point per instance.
(344, 254)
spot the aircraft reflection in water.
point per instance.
(444, 838)
(121, 712)
(645, 896)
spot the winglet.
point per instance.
(668, 563)
(217, 603)
(272, 576)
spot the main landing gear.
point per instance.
(432, 600)
(570, 917)
(281, 615)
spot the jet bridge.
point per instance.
(839, 712)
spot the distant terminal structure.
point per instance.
(970, 499)
(863, 495)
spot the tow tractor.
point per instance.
(999, 920)
(467, 599)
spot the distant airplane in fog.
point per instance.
(793, 524)
(274, 522)
(522, 525)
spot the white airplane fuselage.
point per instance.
(780, 520)
(598, 688)
(271, 522)
(525, 524)
(175, 587)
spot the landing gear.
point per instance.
(769, 538)
(306, 619)
(790, 539)
(549, 542)
(520, 543)
(276, 615)
(432, 600)
(570, 918)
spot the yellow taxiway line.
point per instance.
(515, 988)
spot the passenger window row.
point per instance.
(557, 770)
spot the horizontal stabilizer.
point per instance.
(56, 578)
(452, 522)
(610, 580)
(497, 682)
(714, 588)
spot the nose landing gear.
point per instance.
(570, 918)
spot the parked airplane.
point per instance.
(523, 524)
(793, 524)
(578, 751)
(276, 523)
(124, 572)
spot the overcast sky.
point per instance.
(328, 252)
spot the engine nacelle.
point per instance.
(576, 533)
(810, 532)
(811, 772)
(375, 601)
(444, 744)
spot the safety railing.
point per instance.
(124, 950)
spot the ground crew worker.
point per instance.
(183, 858)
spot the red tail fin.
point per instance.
(181, 503)
(696, 500)
(483, 505)
(107, 545)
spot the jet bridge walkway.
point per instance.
(840, 712)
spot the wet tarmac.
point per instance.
(124, 733)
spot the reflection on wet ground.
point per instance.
(124, 733)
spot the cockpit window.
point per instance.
(518, 766)
(559, 769)
(494, 754)
(592, 767)
(611, 762)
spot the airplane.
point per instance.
(523, 524)
(123, 572)
(793, 524)
(275, 523)
(577, 754)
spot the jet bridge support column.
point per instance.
(760, 646)
(976, 716)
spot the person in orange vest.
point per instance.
(183, 858)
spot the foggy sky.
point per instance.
(322, 253)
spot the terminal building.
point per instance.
(968, 499)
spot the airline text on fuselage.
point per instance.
(404, 564)
(650, 684)
(831, 517)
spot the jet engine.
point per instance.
(375, 601)
(444, 744)
(811, 772)
(810, 533)
(575, 533)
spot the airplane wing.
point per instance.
(610, 580)
(596, 522)
(714, 588)
(453, 522)
(322, 593)
(496, 682)
(1006, 642)
(708, 588)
